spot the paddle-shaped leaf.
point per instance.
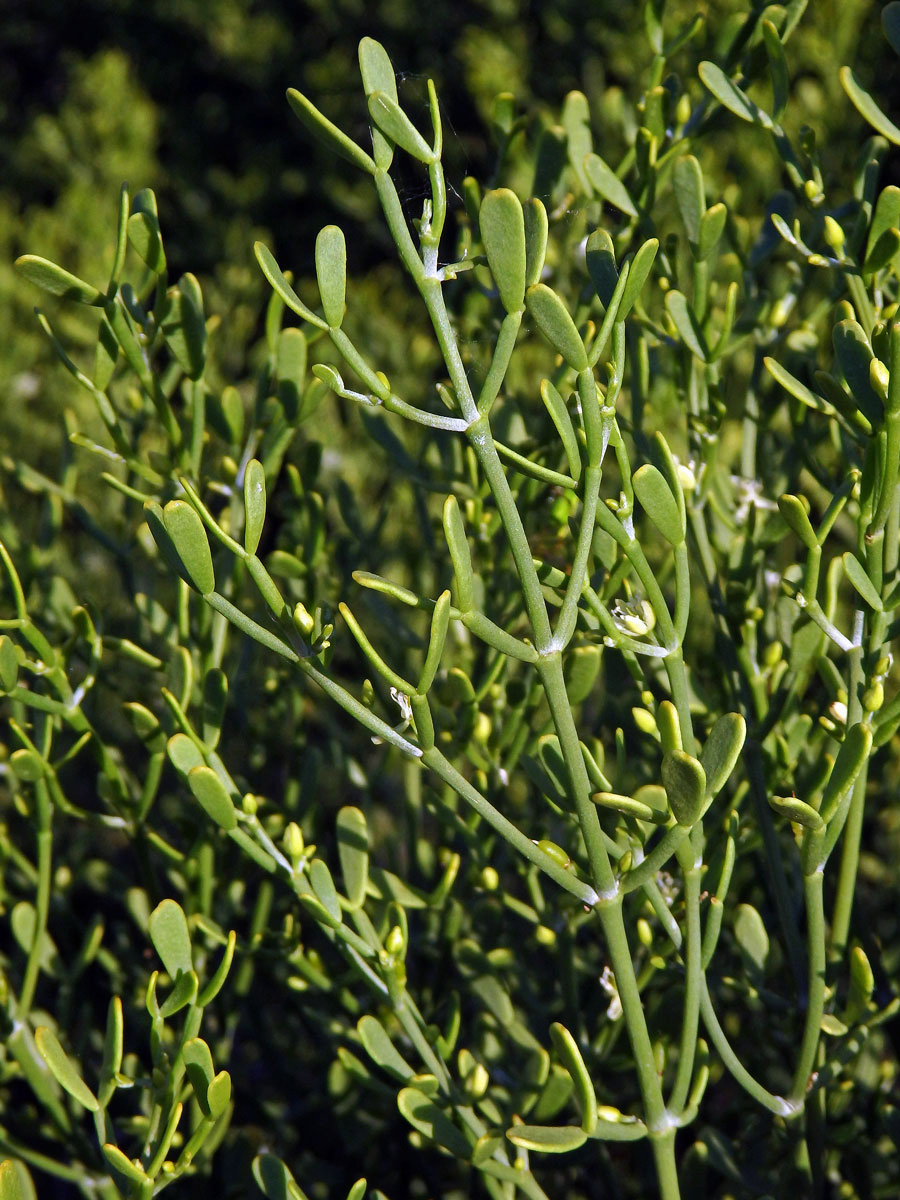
(378, 76)
(686, 323)
(570, 1056)
(547, 1139)
(274, 1179)
(171, 938)
(185, 528)
(128, 1168)
(722, 750)
(65, 1070)
(797, 811)
(854, 356)
(856, 573)
(685, 782)
(425, 1116)
(331, 273)
(279, 283)
(659, 504)
(458, 545)
(553, 320)
(607, 184)
(353, 852)
(57, 281)
(855, 749)
(9, 664)
(750, 934)
(537, 228)
(795, 514)
(382, 1050)
(641, 266)
(254, 504)
(601, 264)
(396, 125)
(862, 984)
(502, 224)
(184, 327)
(144, 232)
(687, 184)
(323, 129)
(867, 108)
(731, 96)
(712, 226)
(210, 793)
(15, 1181)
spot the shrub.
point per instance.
(603, 850)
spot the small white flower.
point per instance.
(402, 701)
(749, 495)
(608, 983)
(634, 617)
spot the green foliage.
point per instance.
(446, 820)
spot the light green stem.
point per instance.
(815, 1002)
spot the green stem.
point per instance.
(42, 901)
(658, 1120)
(775, 1104)
(846, 887)
(693, 974)
(815, 1003)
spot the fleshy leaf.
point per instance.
(855, 749)
(731, 96)
(751, 936)
(9, 664)
(382, 1050)
(856, 573)
(353, 852)
(171, 938)
(274, 1179)
(641, 266)
(331, 273)
(185, 328)
(275, 276)
(658, 503)
(425, 1116)
(15, 1181)
(65, 1070)
(396, 125)
(685, 782)
(185, 528)
(323, 129)
(854, 355)
(571, 1058)
(607, 184)
(687, 183)
(547, 1139)
(210, 793)
(537, 229)
(794, 512)
(797, 811)
(686, 323)
(601, 264)
(712, 226)
(502, 224)
(126, 1167)
(552, 318)
(722, 750)
(57, 281)
(254, 504)
(867, 108)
